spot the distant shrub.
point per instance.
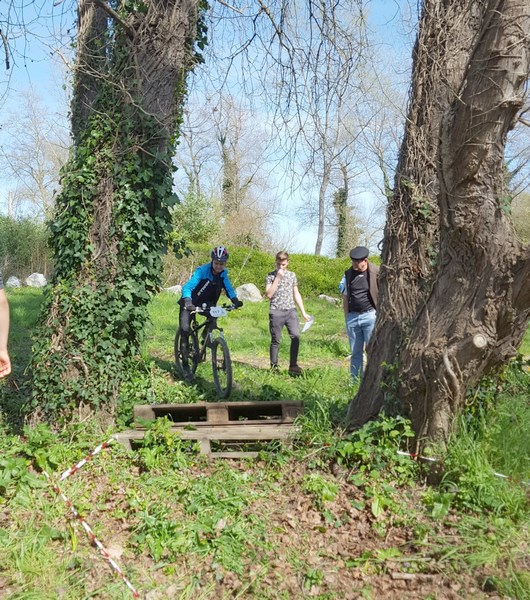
(23, 248)
(195, 219)
(316, 274)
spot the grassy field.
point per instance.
(331, 516)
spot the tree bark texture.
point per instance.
(90, 63)
(479, 306)
(322, 191)
(447, 31)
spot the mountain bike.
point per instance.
(204, 336)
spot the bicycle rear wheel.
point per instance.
(222, 368)
(186, 355)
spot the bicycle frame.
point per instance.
(209, 326)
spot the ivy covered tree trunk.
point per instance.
(444, 323)
(113, 212)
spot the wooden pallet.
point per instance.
(231, 425)
(221, 412)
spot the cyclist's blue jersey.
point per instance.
(206, 287)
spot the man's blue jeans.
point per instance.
(359, 327)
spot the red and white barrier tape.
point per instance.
(83, 462)
(104, 552)
(435, 460)
(417, 456)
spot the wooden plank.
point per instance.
(227, 432)
(205, 446)
(124, 439)
(217, 413)
(243, 433)
(144, 412)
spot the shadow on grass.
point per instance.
(14, 396)
(165, 365)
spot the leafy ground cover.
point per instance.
(331, 516)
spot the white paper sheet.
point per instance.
(308, 324)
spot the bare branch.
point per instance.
(6, 47)
(267, 11)
(231, 7)
(111, 12)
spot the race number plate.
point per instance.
(217, 311)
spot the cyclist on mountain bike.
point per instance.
(205, 287)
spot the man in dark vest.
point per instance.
(359, 299)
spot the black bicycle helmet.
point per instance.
(219, 253)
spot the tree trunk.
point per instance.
(447, 31)
(91, 42)
(479, 307)
(340, 204)
(322, 207)
(113, 211)
(474, 313)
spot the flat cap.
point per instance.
(359, 253)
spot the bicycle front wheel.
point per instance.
(222, 368)
(186, 355)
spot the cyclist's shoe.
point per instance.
(275, 368)
(295, 371)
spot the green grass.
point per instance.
(24, 306)
(525, 345)
(248, 329)
(187, 528)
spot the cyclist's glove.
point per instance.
(237, 302)
(188, 305)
